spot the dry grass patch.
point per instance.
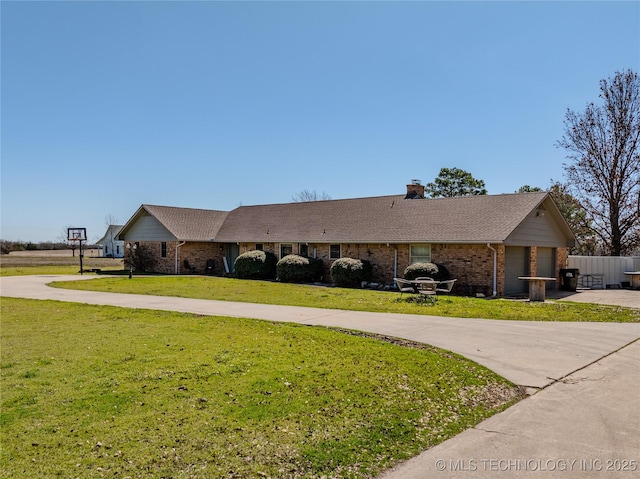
(54, 262)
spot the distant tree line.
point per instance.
(7, 247)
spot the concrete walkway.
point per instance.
(585, 426)
(586, 377)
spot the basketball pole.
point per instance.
(79, 235)
(81, 270)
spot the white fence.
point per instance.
(612, 267)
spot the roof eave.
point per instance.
(363, 241)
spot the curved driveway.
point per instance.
(588, 410)
(528, 353)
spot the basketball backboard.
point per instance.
(77, 234)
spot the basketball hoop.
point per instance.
(77, 235)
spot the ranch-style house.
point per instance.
(486, 242)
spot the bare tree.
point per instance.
(306, 195)
(110, 220)
(110, 239)
(64, 239)
(604, 175)
(578, 219)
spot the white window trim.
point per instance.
(339, 252)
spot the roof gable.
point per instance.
(543, 226)
(172, 223)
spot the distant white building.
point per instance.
(109, 244)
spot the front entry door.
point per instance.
(233, 251)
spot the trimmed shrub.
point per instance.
(351, 272)
(426, 270)
(299, 269)
(255, 265)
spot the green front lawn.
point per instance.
(90, 391)
(266, 292)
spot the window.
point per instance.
(259, 246)
(285, 249)
(117, 249)
(334, 251)
(304, 250)
(420, 253)
(163, 249)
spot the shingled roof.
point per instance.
(380, 219)
(383, 219)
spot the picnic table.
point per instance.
(427, 287)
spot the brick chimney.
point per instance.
(415, 191)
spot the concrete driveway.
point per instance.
(614, 297)
(528, 353)
(584, 377)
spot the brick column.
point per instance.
(533, 260)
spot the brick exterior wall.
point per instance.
(471, 265)
(196, 254)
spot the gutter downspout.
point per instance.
(495, 271)
(395, 262)
(177, 248)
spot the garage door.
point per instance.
(516, 264)
(546, 265)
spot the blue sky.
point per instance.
(108, 105)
